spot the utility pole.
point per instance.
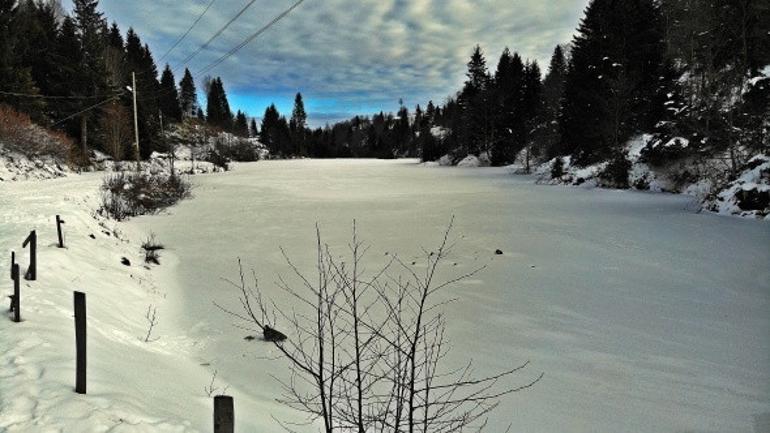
(136, 122)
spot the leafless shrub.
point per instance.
(131, 194)
(19, 134)
(151, 247)
(365, 350)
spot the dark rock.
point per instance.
(753, 199)
(499, 252)
(272, 335)
(92, 236)
(125, 261)
(249, 338)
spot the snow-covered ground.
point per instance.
(644, 315)
(133, 386)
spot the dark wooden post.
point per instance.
(224, 419)
(80, 342)
(16, 301)
(32, 241)
(59, 222)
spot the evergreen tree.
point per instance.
(553, 89)
(509, 125)
(532, 110)
(168, 97)
(476, 126)
(188, 97)
(241, 125)
(218, 112)
(92, 29)
(612, 77)
(253, 131)
(298, 126)
(268, 130)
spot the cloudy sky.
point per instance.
(347, 57)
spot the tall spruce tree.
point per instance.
(553, 89)
(253, 131)
(298, 126)
(218, 112)
(476, 126)
(169, 97)
(188, 96)
(241, 125)
(612, 77)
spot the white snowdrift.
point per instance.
(133, 386)
(749, 195)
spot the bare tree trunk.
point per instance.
(84, 137)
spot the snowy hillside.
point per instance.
(747, 196)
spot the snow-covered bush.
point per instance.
(557, 168)
(615, 174)
(749, 194)
(140, 193)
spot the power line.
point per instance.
(31, 95)
(181, 38)
(232, 51)
(97, 105)
(249, 39)
(216, 35)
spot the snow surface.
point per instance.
(644, 316)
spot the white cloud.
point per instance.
(363, 53)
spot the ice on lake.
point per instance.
(644, 315)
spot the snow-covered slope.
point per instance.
(747, 196)
(132, 385)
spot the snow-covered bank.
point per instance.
(747, 196)
(132, 385)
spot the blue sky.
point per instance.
(347, 57)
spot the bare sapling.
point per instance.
(366, 350)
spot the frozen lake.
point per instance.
(644, 316)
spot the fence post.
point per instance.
(59, 222)
(16, 301)
(32, 241)
(224, 419)
(80, 342)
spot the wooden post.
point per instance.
(224, 419)
(32, 242)
(16, 302)
(80, 342)
(59, 222)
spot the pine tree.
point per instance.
(509, 124)
(253, 131)
(476, 127)
(218, 112)
(92, 28)
(188, 97)
(553, 89)
(612, 77)
(298, 125)
(241, 125)
(268, 135)
(168, 97)
(532, 110)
